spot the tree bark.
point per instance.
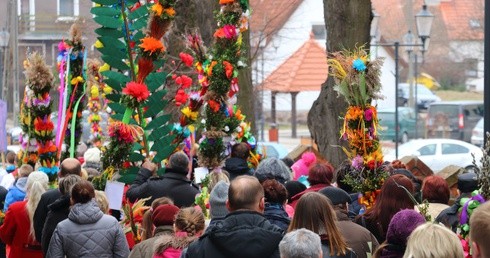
(347, 24)
(245, 98)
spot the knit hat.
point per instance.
(294, 187)
(217, 200)
(336, 195)
(300, 168)
(467, 182)
(273, 168)
(164, 215)
(401, 226)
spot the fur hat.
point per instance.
(401, 226)
(336, 195)
(273, 168)
(300, 168)
(164, 215)
(217, 200)
(92, 155)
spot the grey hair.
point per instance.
(301, 243)
(179, 161)
(67, 182)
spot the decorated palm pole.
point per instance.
(96, 91)
(357, 80)
(39, 80)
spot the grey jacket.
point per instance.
(88, 233)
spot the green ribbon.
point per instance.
(75, 109)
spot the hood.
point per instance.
(276, 212)
(236, 165)
(61, 203)
(21, 184)
(85, 213)
(246, 234)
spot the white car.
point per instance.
(477, 135)
(440, 153)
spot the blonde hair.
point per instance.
(102, 201)
(480, 225)
(84, 174)
(37, 184)
(25, 170)
(190, 220)
(215, 177)
(431, 240)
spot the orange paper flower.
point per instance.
(226, 1)
(228, 69)
(214, 105)
(157, 8)
(152, 45)
(170, 11)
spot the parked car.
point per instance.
(406, 124)
(272, 149)
(440, 153)
(453, 119)
(477, 135)
(424, 96)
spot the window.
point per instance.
(475, 24)
(428, 150)
(448, 148)
(319, 31)
(471, 67)
(68, 8)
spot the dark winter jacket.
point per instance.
(449, 217)
(242, 234)
(58, 211)
(392, 251)
(146, 248)
(173, 184)
(88, 233)
(326, 252)
(356, 236)
(354, 206)
(373, 226)
(237, 167)
(276, 215)
(42, 210)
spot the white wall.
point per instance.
(387, 78)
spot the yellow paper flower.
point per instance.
(192, 115)
(94, 91)
(157, 8)
(98, 44)
(170, 11)
(104, 67)
(76, 80)
(107, 89)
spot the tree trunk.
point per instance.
(347, 24)
(246, 94)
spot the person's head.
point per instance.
(147, 224)
(217, 200)
(67, 182)
(92, 155)
(37, 184)
(82, 192)
(431, 240)
(288, 161)
(343, 169)
(392, 199)
(164, 215)
(301, 243)
(10, 157)
(274, 192)
(480, 233)
(273, 168)
(102, 201)
(70, 166)
(401, 226)
(435, 190)
(398, 164)
(467, 183)
(293, 188)
(320, 173)
(25, 170)
(240, 150)
(189, 220)
(179, 162)
(245, 193)
(314, 212)
(301, 166)
(337, 196)
(217, 176)
(417, 183)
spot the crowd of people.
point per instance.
(283, 208)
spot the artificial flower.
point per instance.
(228, 69)
(219, 33)
(229, 31)
(98, 44)
(181, 98)
(170, 11)
(184, 81)
(77, 80)
(151, 45)
(210, 67)
(186, 59)
(157, 8)
(192, 115)
(226, 1)
(215, 106)
(138, 91)
(107, 89)
(359, 65)
(104, 67)
(368, 114)
(125, 133)
(94, 91)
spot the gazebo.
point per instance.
(305, 70)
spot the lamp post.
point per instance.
(4, 42)
(423, 20)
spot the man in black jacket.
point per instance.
(237, 164)
(173, 184)
(69, 166)
(245, 232)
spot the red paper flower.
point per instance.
(229, 31)
(226, 1)
(184, 81)
(228, 69)
(43, 125)
(219, 33)
(214, 105)
(181, 98)
(138, 91)
(186, 59)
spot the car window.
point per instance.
(449, 148)
(473, 110)
(428, 150)
(448, 110)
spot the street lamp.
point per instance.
(423, 20)
(4, 42)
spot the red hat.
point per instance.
(164, 215)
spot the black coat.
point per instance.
(237, 167)
(242, 234)
(42, 210)
(172, 184)
(276, 215)
(58, 211)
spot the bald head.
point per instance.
(246, 193)
(70, 166)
